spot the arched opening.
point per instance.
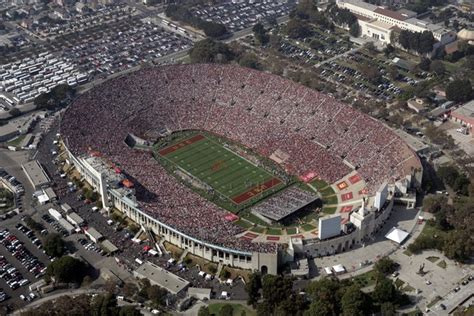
(264, 270)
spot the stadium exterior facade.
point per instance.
(122, 201)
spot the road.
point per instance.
(55, 296)
(338, 56)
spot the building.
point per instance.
(379, 23)
(75, 219)
(161, 277)
(417, 104)
(464, 115)
(93, 234)
(36, 174)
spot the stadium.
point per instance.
(219, 160)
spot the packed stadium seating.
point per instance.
(256, 109)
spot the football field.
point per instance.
(226, 172)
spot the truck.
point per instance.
(55, 214)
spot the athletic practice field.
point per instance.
(226, 172)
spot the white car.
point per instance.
(23, 282)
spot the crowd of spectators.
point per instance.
(261, 111)
(284, 203)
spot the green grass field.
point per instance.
(230, 175)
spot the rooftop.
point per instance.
(466, 111)
(35, 173)
(391, 14)
(161, 277)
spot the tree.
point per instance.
(459, 90)
(319, 308)
(370, 72)
(54, 245)
(325, 295)
(209, 51)
(260, 34)
(316, 44)
(354, 29)
(204, 311)
(253, 288)
(384, 291)
(129, 310)
(226, 310)
(249, 60)
(437, 67)
(424, 64)
(67, 269)
(459, 245)
(157, 294)
(388, 50)
(448, 174)
(130, 289)
(14, 112)
(213, 29)
(426, 41)
(104, 305)
(469, 62)
(385, 266)
(354, 302)
(298, 29)
(388, 309)
(434, 203)
(393, 72)
(461, 185)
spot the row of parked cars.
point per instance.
(24, 256)
(18, 190)
(31, 235)
(91, 246)
(51, 221)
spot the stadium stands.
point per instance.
(261, 111)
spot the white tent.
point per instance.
(397, 235)
(328, 270)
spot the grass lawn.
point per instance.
(175, 251)
(318, 184)
(237, 309)
(329, 209)
(226, 172)
(442, 264)
(243, 223)
(253, 219)
(365, 279)
(399, 283)
(235, 272)
(408, 288)
(273, 231)
(327, 191)
(291, 230)
(204, 265)
(308, 227)
(432, 259)
(17, 141)
(257, 229)
(330, 200)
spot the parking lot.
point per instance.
(22, 262)
(237, 16)
(120, 45)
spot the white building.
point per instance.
(378, 23)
